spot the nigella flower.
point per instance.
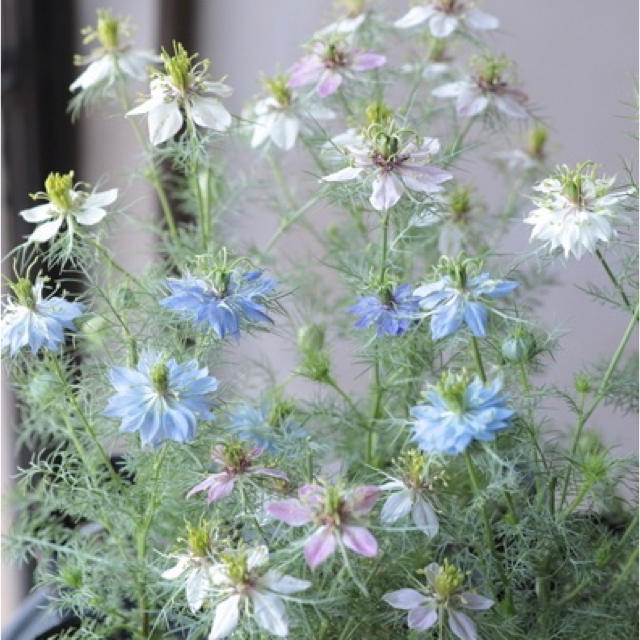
(244, 586)
(233, 298)
(335, 514)
(487, 88)
(349, 23)
(410, 495)
(393, 168)
(112, 58)
(391, 313)
(443, 593)
(196, 564)
(34, 321)
(576, 210)
(278, 116)
(460, 297)
(68, 203)
(237, 462)
(444, 17)
(161, 399)
(183, 91)
(329, 63)
(457, 412)
(263, 424)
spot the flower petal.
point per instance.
(462, 626)
(282, 583)
(348, 173)
(210, 113)
(422, 618)
(480, 20)
(442, 25)
(165, 121)
(226, 618)
(37, 214)
(91, 216)
(366, 61)
(397, 506)
(291, 511)
(177, 570)
(425, 517)
(414, 17)
(360, 540)
(405, 598)
(387, 190)
(474, 601)
(364, 498)
(329, 83)
(319, 546)
(196, 589)
(269, 613)
(46, 231)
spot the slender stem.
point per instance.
(288, 222)
(576, 501)
(155, 178)
(613, 279)
(440, 623)
(334, 385)
(599, 396)
(278, 175)
(455, 148)
(385, 244)
(478, 359)
(488, 530)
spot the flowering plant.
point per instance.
(226, 504)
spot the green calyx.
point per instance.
(23, 291)
(520, 347)
(459, 269)
(573, 181)
(448, 581)
(59, 189)
(536, 141)
(452, 389)
(159, 375)
(178, 66)
(378, 112)
(277, 87)
(282, 408)
(490, 69)
(460, 202)
(199, 539)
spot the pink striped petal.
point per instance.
(364, 498)
(319, 547)
(272, 473)
(366, 61)
(360, 540)
(329, 83)
(292, 511)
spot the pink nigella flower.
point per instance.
(394, 166)
(327, 64)
(335, 512)
(236, 462)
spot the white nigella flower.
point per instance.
(278, 116)
(409, 495)
(66, 202)
(183, 91)
(393, 168)
(475, 94)
(112, 58)
(576, 210)
(443, 594)
(445, 16)
(241, 584)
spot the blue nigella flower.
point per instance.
(262, 424)
(391, 314)
(37, 322)
(237, 297)
(454, 299)
(458, 412)
(161, 398)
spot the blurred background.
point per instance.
(577, 60)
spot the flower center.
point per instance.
(277, 86)
(199, 539)
(159, 375)
(178, 67)
(59, 189)
(452, 389)
(24, 293)
(448, 581)
(449, 6)
(108, 30)
(335, 57)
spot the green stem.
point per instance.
(455, 148)
(613, 279)
(334, 385)
(488, 530)
(576, 501)
(278, 175)
(599, 396)
(288, 222)
(478, 359)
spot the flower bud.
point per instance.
(94, 330)
(582, 383)
(378, 112)
(311, 338)
(520, 347)
(537, 140)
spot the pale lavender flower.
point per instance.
(329, 63)
(236, 462)
(243, 586)
(445, 16)
(335, 514)
(197, 582)
(393, 169)
(443, 593)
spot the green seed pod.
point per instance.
(520, 347)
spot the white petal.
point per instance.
(146, 106)
(165, 121)
(177, 570)
(102, 198)
(442, 25)
(462, 626)
(196, 588)
(387, 190)
(414, 17)
(209, 112)
(480, 20)
(46, 231)
(425, 517)
(450, 90)
(262, 128)
(510, 107)
(397, 506)
(348, 173)
(284, 132)
(91, 216)
(471, 103)
(94, 74)
(38, 214)
(282, 583)
(226, 618)
(219, 88)
(269, 612)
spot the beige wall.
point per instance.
(578, 61)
